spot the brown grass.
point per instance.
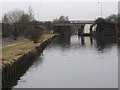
(14, 41)
(12, 53)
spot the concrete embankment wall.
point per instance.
(10, 71)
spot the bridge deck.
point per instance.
(69, 24)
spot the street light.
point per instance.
(38, 12)
(101, 7)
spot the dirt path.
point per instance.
(11, 45)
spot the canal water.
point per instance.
(74, 62)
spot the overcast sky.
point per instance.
(74, 10)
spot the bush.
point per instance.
(99, 20)
(33, 33)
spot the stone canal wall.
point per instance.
(10, 71)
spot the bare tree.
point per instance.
(31, 13)
(34, 32)
(5, 26)
(5, 19)
(24, 21)
(112, 18)
(14, 17)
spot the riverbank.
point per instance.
(14, 51)
(15, 57)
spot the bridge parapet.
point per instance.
(82, 21)
(75, 23)
(68, 24)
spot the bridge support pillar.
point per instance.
(91, 29)
(81, 31)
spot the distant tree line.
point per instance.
(63, 30)
(18, 23)
(15, 22)
(110, 19)
(103, 24)
(61, 19)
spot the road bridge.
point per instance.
(74, 23)
(84, 26)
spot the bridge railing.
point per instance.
(81, 21)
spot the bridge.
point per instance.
(84, 26)
(75, 23)
(82, 21)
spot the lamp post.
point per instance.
(38, 12)
(101, 7)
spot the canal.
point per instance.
(74, 62)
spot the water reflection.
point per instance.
(101, 43)
(71, 61)
(82, 40)
(105, 42)
(63, 41)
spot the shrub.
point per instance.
(33, 33)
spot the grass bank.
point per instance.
(12, 53)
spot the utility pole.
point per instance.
(38, 12)
(101, 7)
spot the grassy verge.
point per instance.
(12, 53)
(13, 42)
